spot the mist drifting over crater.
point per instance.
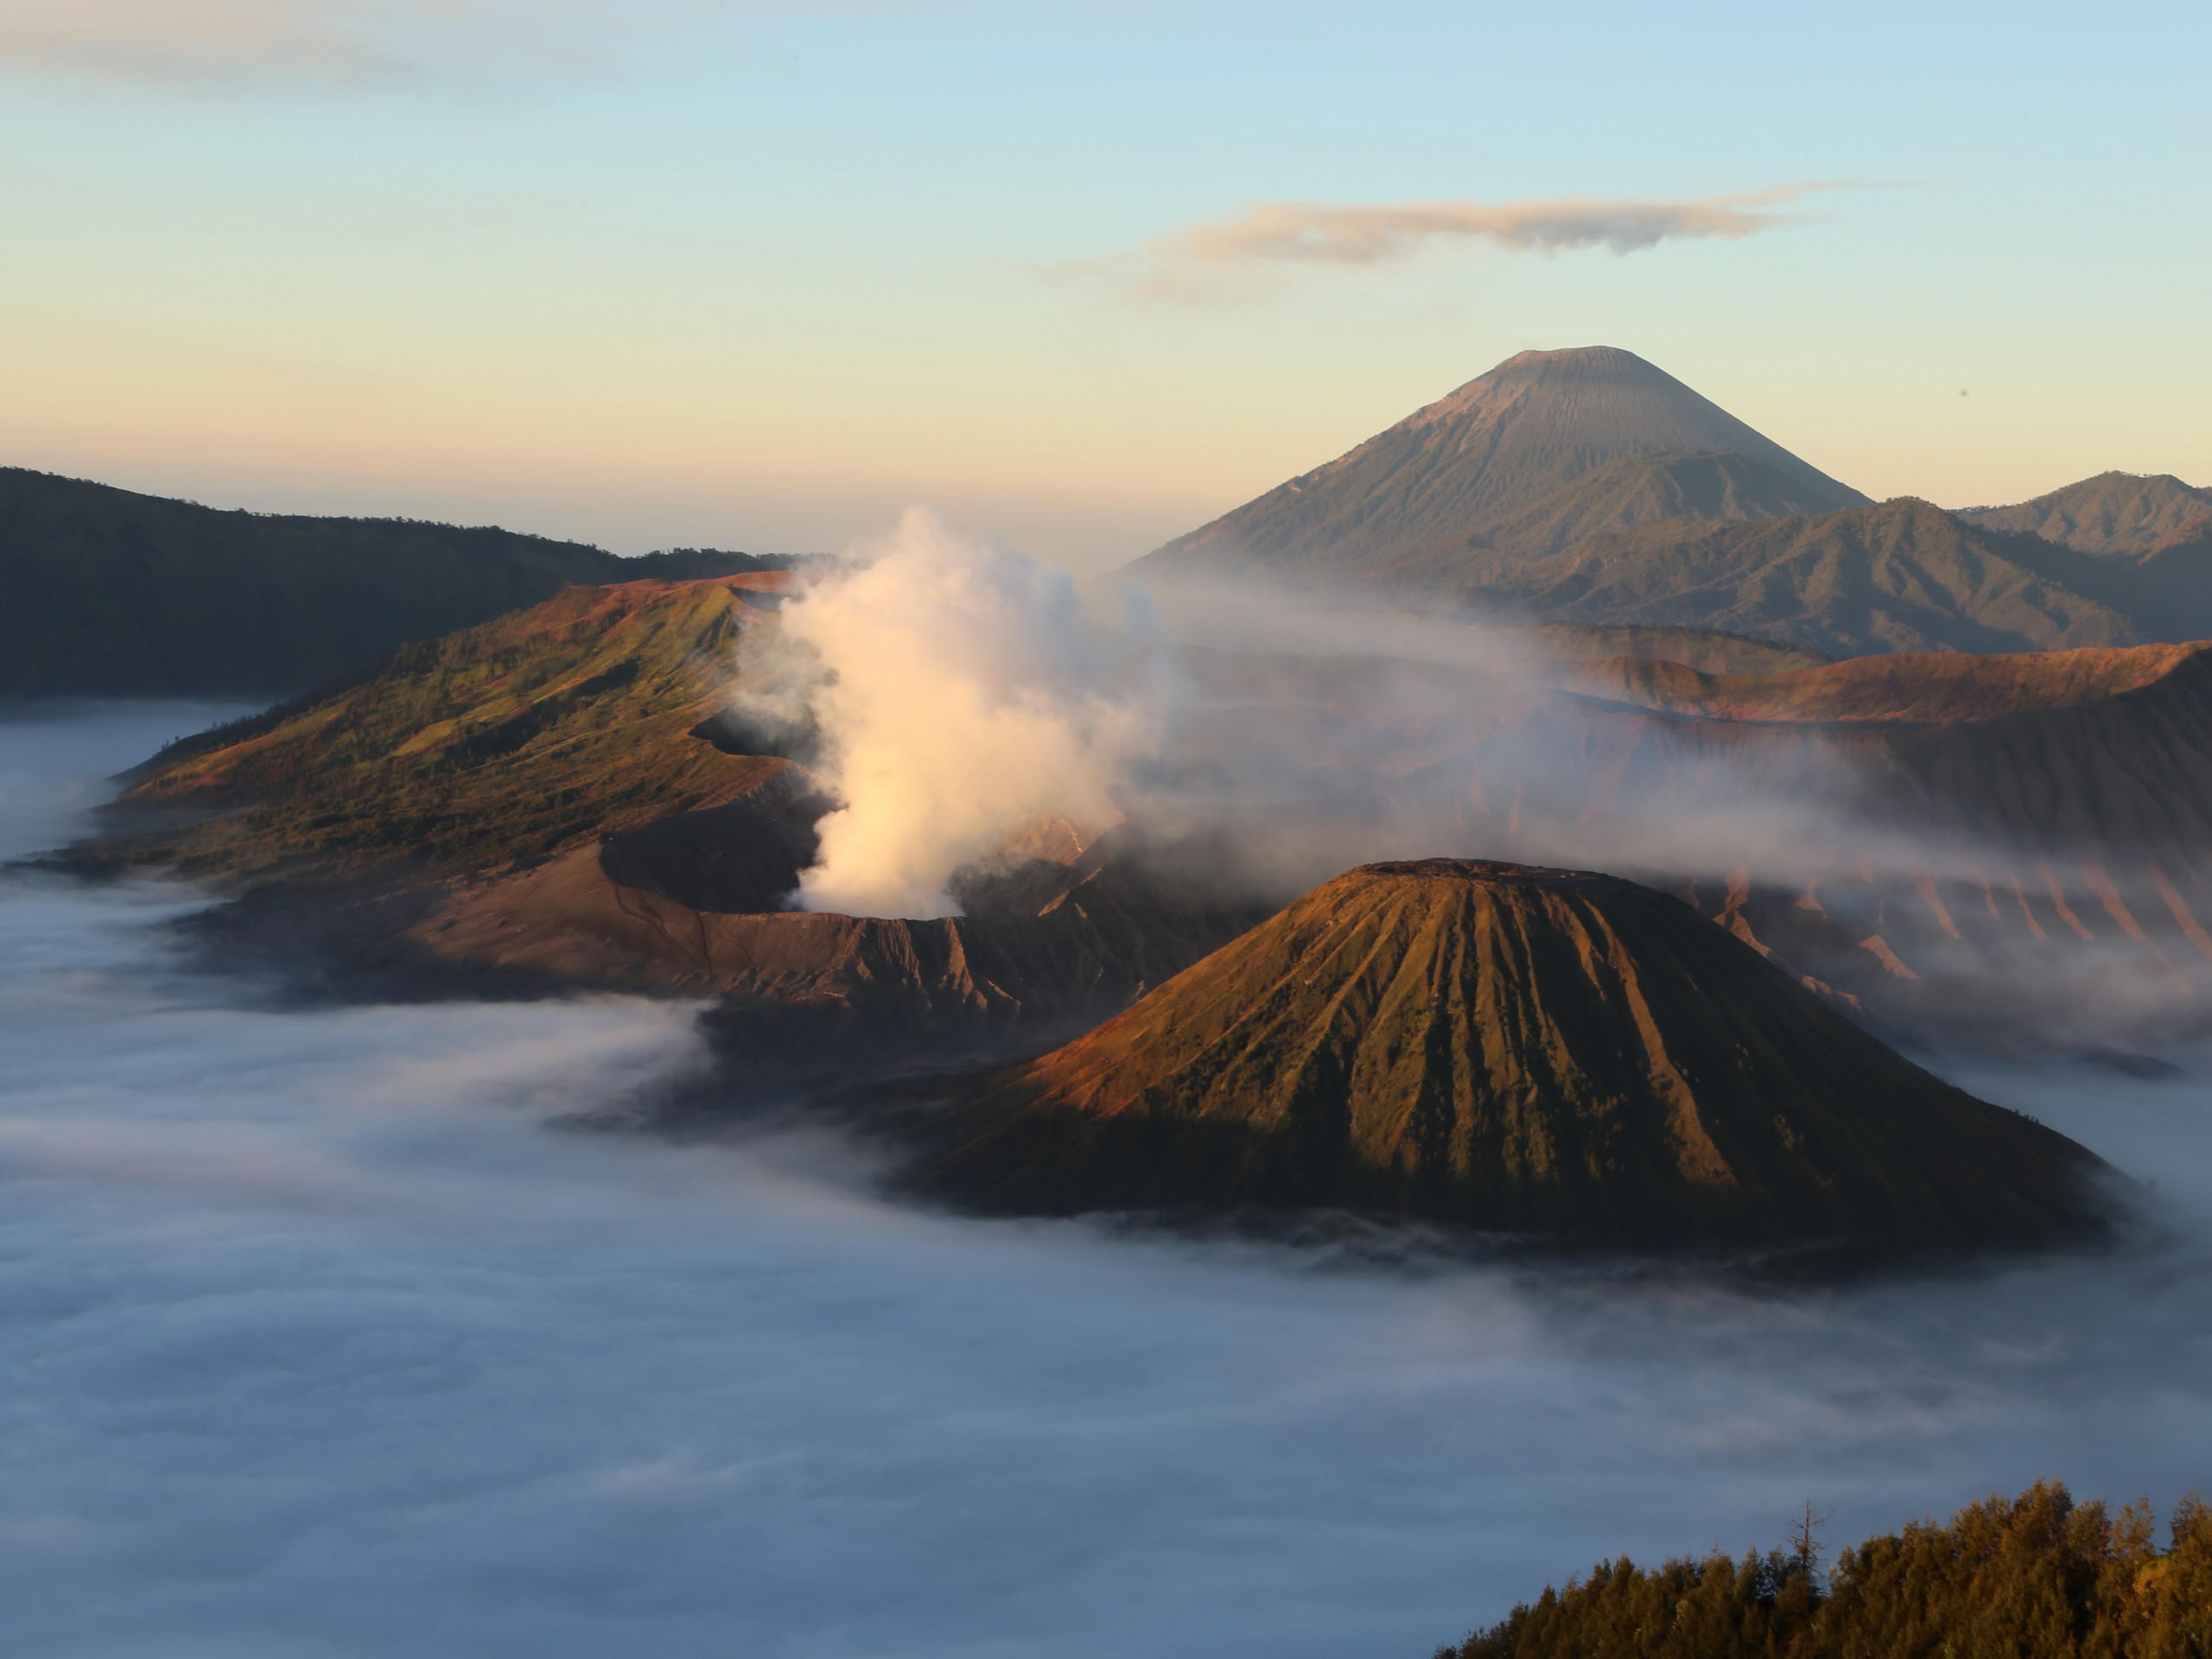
(958, 690)
(327, 1337)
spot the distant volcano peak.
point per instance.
(1581, 360)
(1504, 445)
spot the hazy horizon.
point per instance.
(762, 276)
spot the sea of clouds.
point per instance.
(324, 1335)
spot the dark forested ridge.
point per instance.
(2037, 1575)
(108, 593)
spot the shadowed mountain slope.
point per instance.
(1526, 1051)
(1588, 487)
(1548, 446)
(2130, 514)
(1901, 575)
(1634, 490)
(1927, 688)
(108, 593)
(1710, 650)
(2011, 848)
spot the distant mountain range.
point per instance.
(1582, 489)
(2128, 514)
(108, 593)
(1588, 486)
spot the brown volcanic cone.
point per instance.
(1528, 1051)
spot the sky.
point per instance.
(1079, 276)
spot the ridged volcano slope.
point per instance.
(1901, 575)
(1545, 450)
(1538, 1053)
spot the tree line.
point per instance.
(2035, 1577)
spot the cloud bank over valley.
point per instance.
(328, 1336)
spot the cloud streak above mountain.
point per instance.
(1193, 259)
(226, 42)
(192, 40)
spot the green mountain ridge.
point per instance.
(2130, 514)
(105, 592)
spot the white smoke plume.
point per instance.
(962, 691)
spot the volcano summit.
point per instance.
(1570, 1056)
(1546, 448)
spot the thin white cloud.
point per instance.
(1193, 259)
(228, 41)
(193, 40)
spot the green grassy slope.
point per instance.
(107, 592)
(506, 741)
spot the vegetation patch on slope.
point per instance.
(2129, 515)
(504, 742)
(2038, 1574)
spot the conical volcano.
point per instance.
(1532, 1051)
(1505, 459)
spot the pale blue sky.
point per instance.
(757, 276)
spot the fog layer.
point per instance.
(324, 1338)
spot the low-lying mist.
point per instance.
(1263, 741)
(325, 1335)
